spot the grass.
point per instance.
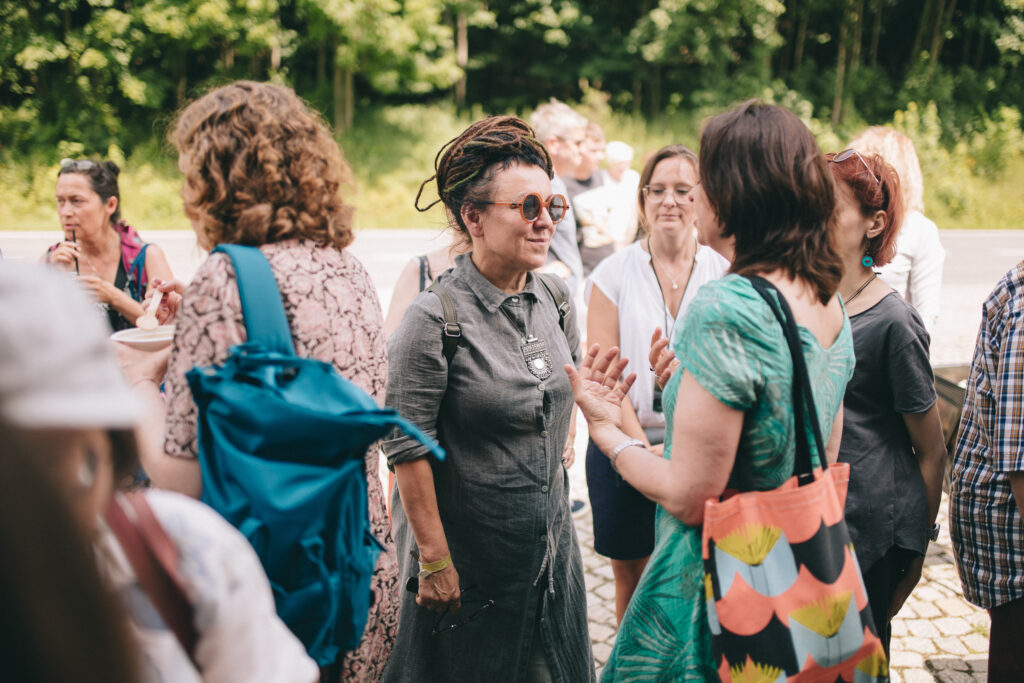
(391, 151)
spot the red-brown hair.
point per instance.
(878, 193)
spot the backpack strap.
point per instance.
(550, 282)
(136, 274)
(154, 558)
(451, 331)
(264, 322)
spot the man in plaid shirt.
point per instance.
(986, 501)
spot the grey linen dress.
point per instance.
(502, 492)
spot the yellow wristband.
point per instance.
(435, 567)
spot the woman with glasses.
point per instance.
(490, 558)
(892, 435)
(645, 287)
(764, 199)
(108, 256)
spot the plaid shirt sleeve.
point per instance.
(1008, 393)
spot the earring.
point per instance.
(868, 261)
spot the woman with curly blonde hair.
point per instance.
(261, 169)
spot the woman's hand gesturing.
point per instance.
(596, 386)
(663, 361)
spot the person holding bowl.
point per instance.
(109, 257)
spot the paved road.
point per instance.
(937, 635)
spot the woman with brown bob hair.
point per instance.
(262, 169)
(490, 559)
(765, 201)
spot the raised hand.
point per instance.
(596, 386)
(663, 361)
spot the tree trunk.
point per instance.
(321, 64)
(350, 97)
(876, 32)
(857, 27)
(926, 17)
(638, 94)
(943, 18)
(844, 32)
(785, 55)
(966, 53)
(655, 92)
(229, 57)
(801, 37)
(981, 37)
(338, 90)
(461, 56)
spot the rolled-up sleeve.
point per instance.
(417, 376)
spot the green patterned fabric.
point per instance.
(734, 346)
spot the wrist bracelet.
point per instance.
(621, 447)
(434, 567)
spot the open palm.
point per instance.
(596, 387)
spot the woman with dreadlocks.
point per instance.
(491, 562)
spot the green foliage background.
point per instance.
(397, 78)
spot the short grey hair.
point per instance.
(555, 119)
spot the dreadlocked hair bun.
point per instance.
(465, 165)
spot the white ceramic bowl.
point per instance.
(145, 340)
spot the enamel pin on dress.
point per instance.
(535, 352)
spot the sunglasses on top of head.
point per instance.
(840, 157)
(531, 205)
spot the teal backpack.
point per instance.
(282, 442)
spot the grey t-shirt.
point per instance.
(886, 505)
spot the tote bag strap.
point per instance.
(804, 409)
(265, 322)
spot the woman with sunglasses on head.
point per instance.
(765, 200)
(645, 287)
(108, 256)
(487, 536)
(892, 435)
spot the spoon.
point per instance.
(148, 321)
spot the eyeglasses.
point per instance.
(532, 203)
(469, 598)
(79, 166)
(656, 193)
(470, 601)
(848, 153)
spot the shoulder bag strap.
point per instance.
(264, 322)
(135, 274)
(154, 557)
(804, 408)
(451, 331)
(548, 280)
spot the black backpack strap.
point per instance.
(550, 283)
(451, 332)
(804, 409)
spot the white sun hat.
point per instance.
(57, 368)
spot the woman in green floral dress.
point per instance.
(765, 201)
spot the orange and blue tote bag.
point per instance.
(785, 597)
